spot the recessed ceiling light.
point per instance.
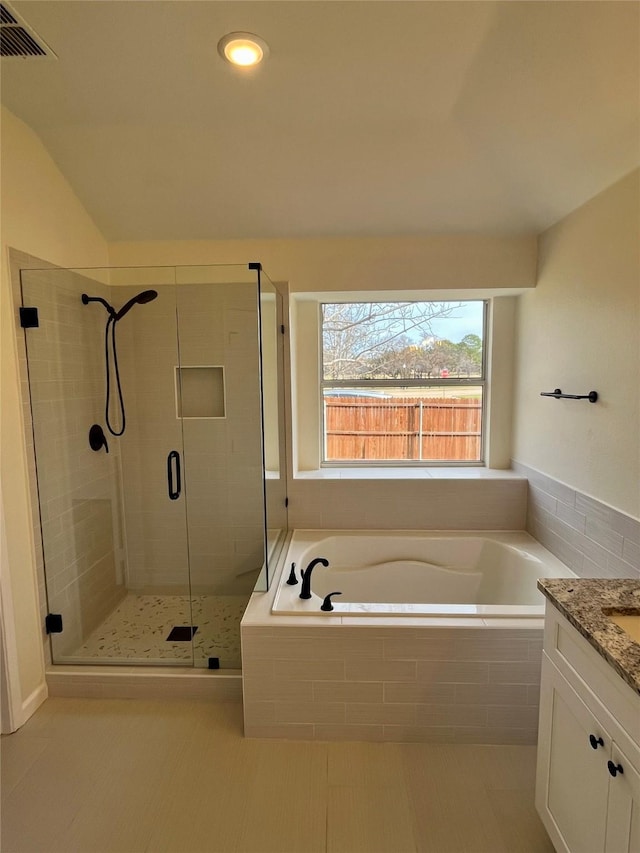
(244, 49)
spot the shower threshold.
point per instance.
(144, 682)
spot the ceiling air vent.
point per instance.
(17, 39)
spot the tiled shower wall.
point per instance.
(222, 456)
(83, 492)
(593, 539)
(78, 506)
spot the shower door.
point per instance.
(221, 419)
(150, 505)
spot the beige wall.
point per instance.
(338, 264)
(39, 215)
(459, 264)
(579, 331)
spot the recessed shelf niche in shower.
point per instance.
(200, 392)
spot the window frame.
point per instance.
(375, 384)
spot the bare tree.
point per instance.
(363, 340)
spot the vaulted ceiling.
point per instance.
(368, 118)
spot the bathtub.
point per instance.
(392, 573)
(464, 669)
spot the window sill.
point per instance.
(390, 473)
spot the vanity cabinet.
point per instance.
(588, 773)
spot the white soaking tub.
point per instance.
(409, 573)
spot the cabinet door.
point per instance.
(623, 823)
(572, 798)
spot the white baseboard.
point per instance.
(33, 702)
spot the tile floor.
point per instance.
(136, 631)
(110, 775)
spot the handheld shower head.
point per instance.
(110, 336)
(142, 298)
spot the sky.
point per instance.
(466, 320)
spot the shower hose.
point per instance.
(111, 325)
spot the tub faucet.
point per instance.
(305, 591)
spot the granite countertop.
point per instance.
(585, 602)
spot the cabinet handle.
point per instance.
(595, 741)
(614, 769)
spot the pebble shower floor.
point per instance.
(136, 631)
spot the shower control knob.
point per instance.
(97, 439)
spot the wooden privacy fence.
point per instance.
(411, 428)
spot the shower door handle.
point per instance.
(174, 491)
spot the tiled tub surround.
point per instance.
(394, 678)
(473, 498)
(447, 682)
(593, 539)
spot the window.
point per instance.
(402, 382)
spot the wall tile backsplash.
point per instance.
(593, 539)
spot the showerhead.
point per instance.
(87, 299)
(142, 298)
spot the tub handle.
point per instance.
(292, 579)
(327, 605)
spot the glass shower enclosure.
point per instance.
(156, 400)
